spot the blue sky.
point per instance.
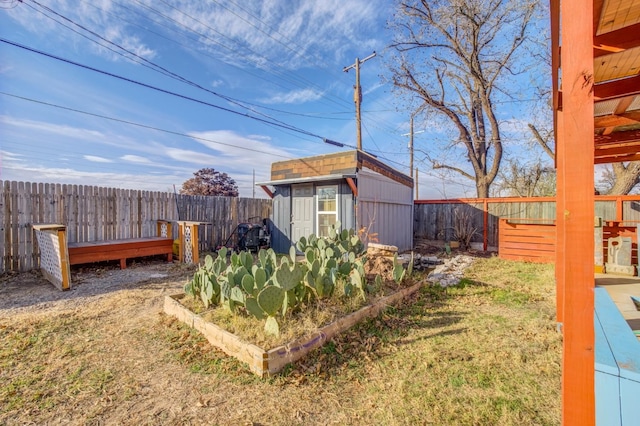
(277, 61)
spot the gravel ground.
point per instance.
(30, 292)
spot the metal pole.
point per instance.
(416, 182)
(254, 183)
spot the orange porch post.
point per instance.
(575, 209)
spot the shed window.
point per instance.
(327, 208)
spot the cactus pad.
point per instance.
(248, 284)
(288, 278)
(251, 304)
(271, 326)
(270, 299)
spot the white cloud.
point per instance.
(239, 146)
(291, 34)
(294, 97)
(100, 18)
(38, 173)
(136, 159)
(193, 157)
(58, 129)
(96, 159)
(217, 83)
(11, 156)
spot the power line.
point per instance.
(149, 86)
(137, 124)
(163, 70)
(143, 61)
(190, 47)
(301, 82)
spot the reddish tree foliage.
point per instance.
(208, 181)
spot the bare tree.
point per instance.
(619, 178)
(527, 180)
(452, 55)
(208, 181)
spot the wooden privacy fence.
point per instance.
(93, 213)
(535, 241)
(435, 219)
(527, 240)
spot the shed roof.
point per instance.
(340, 164)
(307, 179)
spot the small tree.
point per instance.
(208, 181)
(527, 180)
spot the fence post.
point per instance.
(485, 224)
(189, 252)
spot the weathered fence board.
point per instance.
(93, 213)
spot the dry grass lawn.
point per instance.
(483, 353)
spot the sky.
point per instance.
(142, 94)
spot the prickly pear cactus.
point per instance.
(270, 299)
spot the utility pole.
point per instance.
(411, 147)
(416, 182)
(357, 96)
(254, 183)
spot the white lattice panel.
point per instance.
(50, 254)
(188, 250)
(164, 229)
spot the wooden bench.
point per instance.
(98, 251)
(56, 254)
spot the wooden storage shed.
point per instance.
(352, 187)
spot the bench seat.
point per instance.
(97, 251)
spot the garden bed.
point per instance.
(266, 362)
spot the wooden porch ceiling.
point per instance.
(616, 60)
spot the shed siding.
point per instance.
(281, 221)
(281, 226)
(346, 213)
(385, 207)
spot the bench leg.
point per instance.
(170, 257)
(123, 263)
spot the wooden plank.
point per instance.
(64, 260)
(28, 230)
(3, 224)
(97, 251)
(15, 223)
(22, 227)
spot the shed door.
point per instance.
(301, 211)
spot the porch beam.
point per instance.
(630, 137)
(267, 190)
(353, 186)
(616, 41)
(629, 86)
